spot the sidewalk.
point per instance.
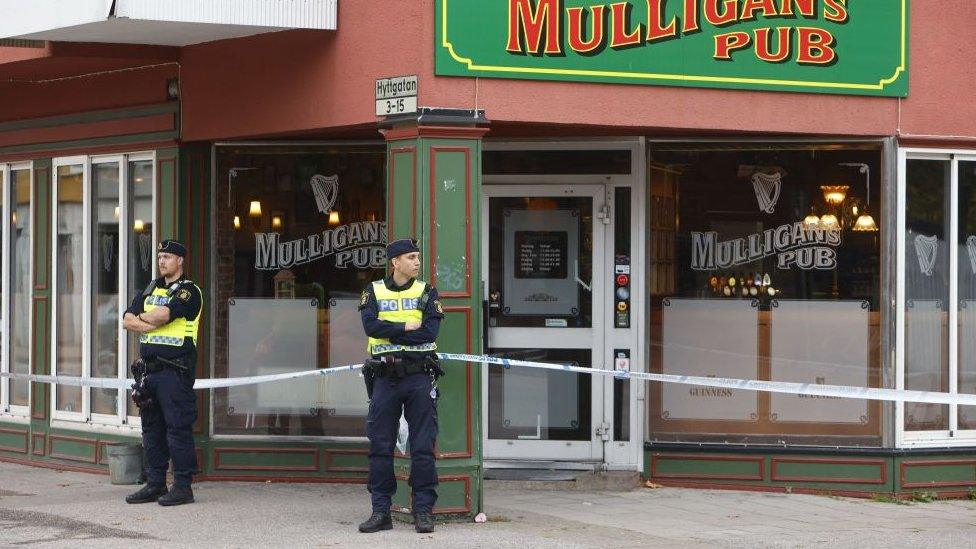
(45, 508)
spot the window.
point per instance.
(15, 294)
(300, 233)
(765, 263)
(937, 294)
(103, 252)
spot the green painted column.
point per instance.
(41, 189)
(434, 194)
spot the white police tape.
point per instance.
(810, 389)
(117, 383)
(814, 389)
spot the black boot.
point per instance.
(423, 523)
(177, 496)
(376, 522)
(147, 494)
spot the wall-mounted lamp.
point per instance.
(276, 222)
(138, 226)
(237, 222)
(173, 89)
(255, 210)
(864, 221)
(333, 218)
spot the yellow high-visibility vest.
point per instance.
(398, 307)
(176, 331)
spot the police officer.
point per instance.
(401, 316)
(166, 316)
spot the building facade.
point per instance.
(777, 191)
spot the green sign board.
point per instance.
(818, 46)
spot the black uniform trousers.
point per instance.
(167, 427)
(410, 394)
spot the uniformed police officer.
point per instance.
(165, 315)
(401, 316)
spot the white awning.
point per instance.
(158, 22)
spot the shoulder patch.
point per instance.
(363, 298)
(438, 306)
(183, 295)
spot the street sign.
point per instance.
(396, 95)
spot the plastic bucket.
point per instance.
(125, 462)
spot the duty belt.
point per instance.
(397, 367)
(158, 364)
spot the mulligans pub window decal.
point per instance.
(821, 46)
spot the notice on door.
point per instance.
(541, 262)
(540, 254)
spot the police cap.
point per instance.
(400, 247)
(174, 247)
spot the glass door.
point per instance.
(544, 278)
(936, 327)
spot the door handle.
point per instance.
(484, 327)
(576, 276)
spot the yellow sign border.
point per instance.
(679, 77)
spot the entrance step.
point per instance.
(550, 479)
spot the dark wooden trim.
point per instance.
(904, 465)
(880, 463)
(445, 510)
(41, 390)
(171, 107)
(98, 145)
(91, 130)
(771, 489)
(277, 479)
(760, 460)
(466, 293)
(469, 411)
(447, 132)
(101, 452)
(330, 453)
(55, 466)
(22, 432)
(41, 173)
(38, 449)
(937, 141)
(314, 452)
(94, 444)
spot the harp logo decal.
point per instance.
(767, 187)
(927, 250)
(326, 190)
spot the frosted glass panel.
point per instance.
(526, 404)
(69, 247)
(820, 342)
(345, 394)
(709, 337)
(924, 360)
(273, 336)
(967, 360)
(18, 321)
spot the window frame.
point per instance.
(211, 285)
(952, 436)
(6, 409)
(86, 418)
